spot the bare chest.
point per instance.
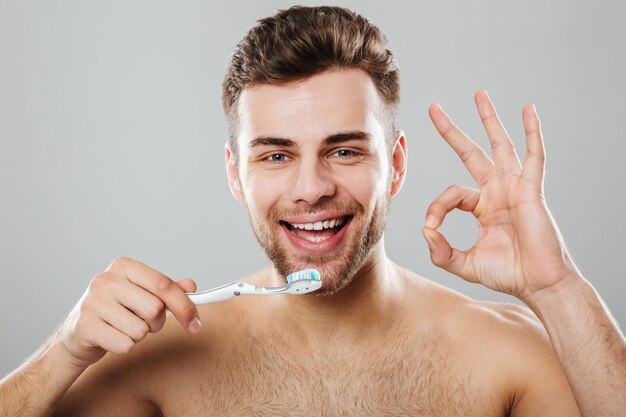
(268, 377)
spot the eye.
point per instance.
(345, 153)
(277, 157)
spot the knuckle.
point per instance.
(446, 131)
(497, 143)
(465, 155)
(103, 281)
(164, 284)
(141, 331)
(189, 312)
(539, 155)
(119, 262)
(124, 346)
(88, 305)
(157, 325)
(99, 280)
(154, 310)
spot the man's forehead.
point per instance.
(331, 102)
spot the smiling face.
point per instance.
(314, 172)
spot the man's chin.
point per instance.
(338, 267)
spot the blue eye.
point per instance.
(345, 153)
(277, 157)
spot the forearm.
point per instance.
(589, 345)
(36, 387)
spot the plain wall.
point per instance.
(112, 138)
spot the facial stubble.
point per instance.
(338, 271)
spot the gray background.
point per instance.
(111, 138)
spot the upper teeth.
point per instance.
(326, 224)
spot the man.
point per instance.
(311, 97)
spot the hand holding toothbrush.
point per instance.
(128, 301)
(121, 306)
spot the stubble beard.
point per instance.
(337, 270)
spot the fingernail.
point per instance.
(195, 325)
(431, 221)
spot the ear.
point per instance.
(398, 163)
(233, 176)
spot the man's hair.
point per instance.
(300, 42)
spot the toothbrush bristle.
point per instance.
(312, 274)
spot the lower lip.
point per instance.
(317, 248)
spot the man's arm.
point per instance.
(547, 370)
(520, 251)
(588, 343)
(36, 387)
(49, 384)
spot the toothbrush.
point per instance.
(300, 282)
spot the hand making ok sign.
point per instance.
(519, 250)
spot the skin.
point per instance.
(390, 342)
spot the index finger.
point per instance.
(162, 287)
(478, 163)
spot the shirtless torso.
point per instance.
(315, 157)
(439, 354)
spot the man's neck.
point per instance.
(366, 305)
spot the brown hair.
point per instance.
(300, 42)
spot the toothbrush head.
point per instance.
(304, 281)
(312, 274)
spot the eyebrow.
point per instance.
(328, 140)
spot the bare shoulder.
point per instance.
(510, 347)
(541, 388)
(470, 320)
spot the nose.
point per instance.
(312, 182)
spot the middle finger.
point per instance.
(504, 154)
(145, 305)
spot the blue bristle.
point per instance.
(312, 274)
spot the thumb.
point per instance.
(187, 284)
(446, 257)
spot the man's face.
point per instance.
(314, 173)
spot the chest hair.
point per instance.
(407, 375)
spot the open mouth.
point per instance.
(318, 231)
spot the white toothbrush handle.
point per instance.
(222, 293)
